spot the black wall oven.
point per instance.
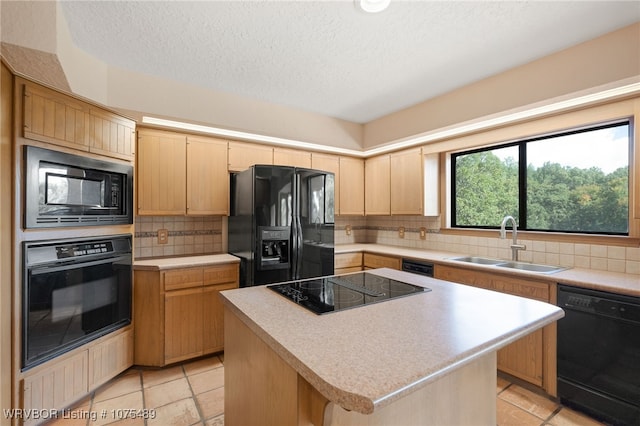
(69, 190)
(74, 291)
(599, 354)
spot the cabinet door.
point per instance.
(110, 357)
(161, 172)
(58, 385)
(523, 358)
(351, 186)
(407, 181)
(377, 199)
(55, 118)
(378, 261)
(329, 163)
(291, 157)
(463, 276)
(244, 155)
(207, 176)
(348, 260)
(183, 330)
(213, 325)
(111, 135)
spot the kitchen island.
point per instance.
(426, 358)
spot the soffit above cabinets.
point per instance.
(327, 56)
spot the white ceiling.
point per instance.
(327, 56)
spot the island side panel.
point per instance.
(260, 388)
(466, 396)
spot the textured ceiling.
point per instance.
(328, 57)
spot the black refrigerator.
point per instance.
(281, 223)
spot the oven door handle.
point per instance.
(48, 268)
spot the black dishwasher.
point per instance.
(599, 354)
(417, 267)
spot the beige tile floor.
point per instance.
(193, 394)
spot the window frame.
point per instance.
(522, 176)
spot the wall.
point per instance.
(610, 58)
(6, 236)
(32, 30)
(188, 235)
(384, 230)
(40, 27)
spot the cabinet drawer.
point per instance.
(341, 271)
(524, 288)
(220, 274)
(348, 260)
(182, 278)
(378, 261)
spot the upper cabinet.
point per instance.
(207, 176)
(291, 157)
(161, 173)
(407, 181)
(55, 118)
(351, 186)
(377, 199)
(178, 174)
(244, 155)
(402, 183)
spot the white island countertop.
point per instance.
(367, 357)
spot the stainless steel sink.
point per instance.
(478, 260)
(522, 266)
(532, 267)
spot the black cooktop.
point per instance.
(339, 292)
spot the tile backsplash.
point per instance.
(385, 230)
(207, 235)
(187, 235)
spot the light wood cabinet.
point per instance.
(181, 175)
(372, 261)
(110, 357)
(525, 358)
(407, 181)
(244, 155)
(178, 312)
(56, 118)
(183, 327)
(207, 176)
(377, 198)
(351, 186)
(329, 163)
(291, 157)
(348, 262)
(63, 381)
(161, 173)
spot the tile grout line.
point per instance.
(193, 395)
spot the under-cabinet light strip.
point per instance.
(424, 138)
(252, 137)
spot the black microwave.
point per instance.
(69, 190)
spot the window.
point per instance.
(574, 181)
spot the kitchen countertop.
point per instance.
(614, 282)
(163, 263)
(346, 355)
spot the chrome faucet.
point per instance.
(515, 247)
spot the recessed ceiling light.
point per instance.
(372, 6)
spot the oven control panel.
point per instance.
(76, 250)
(69, 251)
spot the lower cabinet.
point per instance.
(178, 313)
(348, 262)
(531, 358)
(373, 261)
(61, 382)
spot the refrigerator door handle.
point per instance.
(300, 247)
(294, 249)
